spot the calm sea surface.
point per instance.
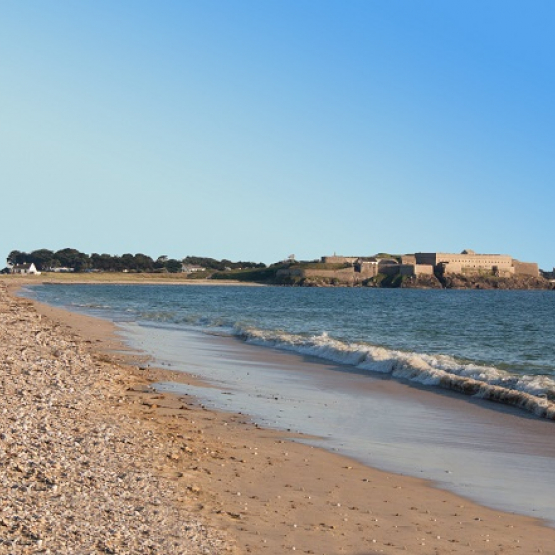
(385, 355)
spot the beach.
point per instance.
(82, 423)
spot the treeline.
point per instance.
(220, 265)
(45, 260)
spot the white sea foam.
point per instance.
(528, 392)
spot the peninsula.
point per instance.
(431, 270)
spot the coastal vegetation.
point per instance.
(73, 260)
(260, 275)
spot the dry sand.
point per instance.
(120, 278)
(268, 494)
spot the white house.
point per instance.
(191, 268)
(61, 270)
(25, 269)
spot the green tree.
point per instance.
(16, 257)
(143, 263)
(42, 259)
(173, 266)
(72, 258)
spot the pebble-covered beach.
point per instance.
(93, 459)
(75, 469)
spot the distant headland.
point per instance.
(465, 270)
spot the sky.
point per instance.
(257, 129)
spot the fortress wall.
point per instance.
(390, 269)
(368, 269)
(428, 258)
(293, 272)
(526, 268)
(343, 274)
(406, 269)
(339, 259)
(423, 270)
(457, 263)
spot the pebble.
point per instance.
(76, 469)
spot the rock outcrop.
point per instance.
(460, 281)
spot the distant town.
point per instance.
(467, 269)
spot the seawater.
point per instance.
(370, 385)
(498, 345)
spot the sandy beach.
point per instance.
(121, 278)
(210, 482)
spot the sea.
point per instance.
(454, 386)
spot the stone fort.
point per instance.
(428, 263)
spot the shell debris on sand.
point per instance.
(75, 474)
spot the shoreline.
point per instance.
(256, 484)
(121, 278)
(118, 279)
(457, 443)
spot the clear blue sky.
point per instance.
(257, 129)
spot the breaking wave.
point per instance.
(533, 393)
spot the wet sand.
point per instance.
(496, 455)
(273, 495)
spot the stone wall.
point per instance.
(467, 262)
(344, 275)
(366, 268)
(390, 269)
(526, 268)
(407, 270)
(339, 259)
(423, 270)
